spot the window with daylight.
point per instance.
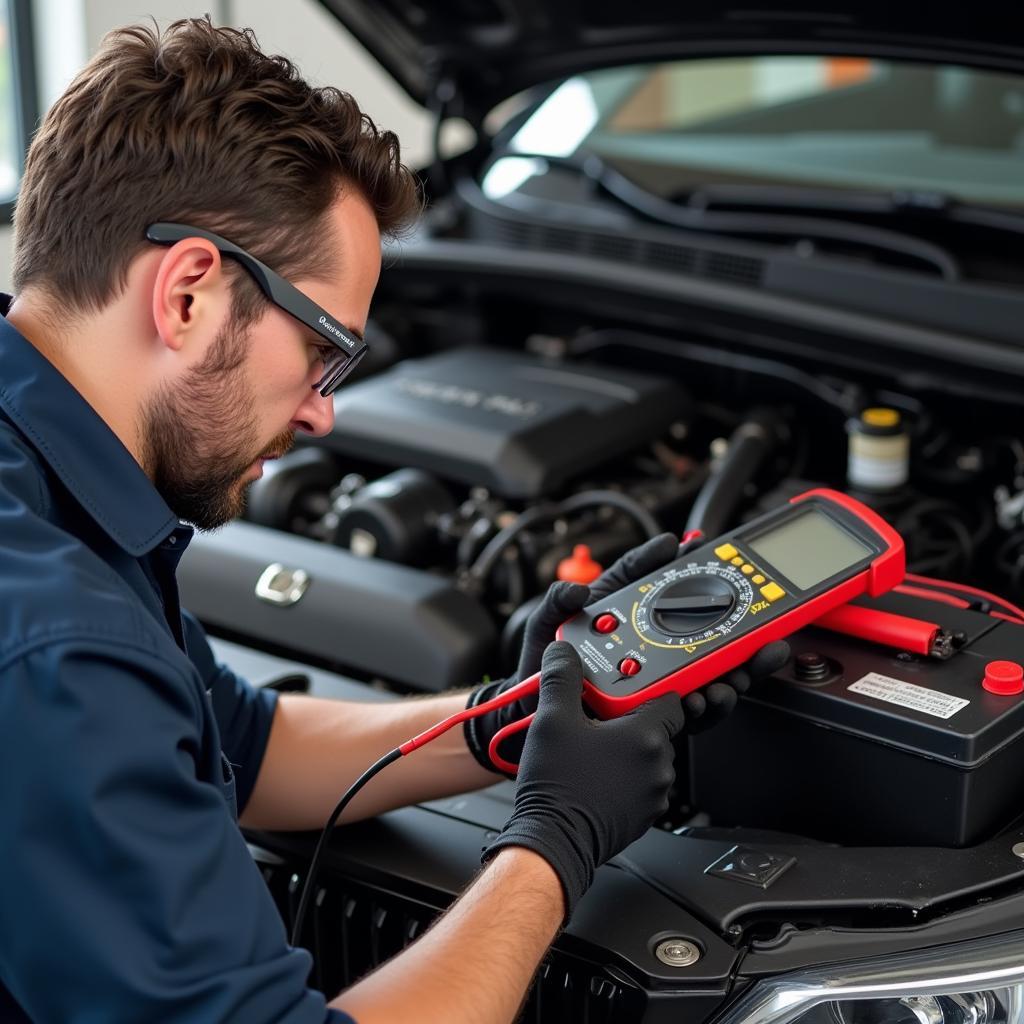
(17, 95)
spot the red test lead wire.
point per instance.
(932, 595)
(1007, 618)
(510, 696)
(964, 588)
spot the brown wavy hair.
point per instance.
(195, 124)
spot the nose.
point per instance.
(315, 415)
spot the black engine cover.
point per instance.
(512, 423)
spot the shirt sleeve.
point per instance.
(126, 881)
(244, 712)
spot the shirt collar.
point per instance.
(79, 447)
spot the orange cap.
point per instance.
(579, 567)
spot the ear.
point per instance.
(189, 292)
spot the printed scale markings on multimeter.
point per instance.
(691, 601)
(716, 606)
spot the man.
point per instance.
(151, 363)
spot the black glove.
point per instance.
(710, 704)
(562, 601)
(586, 789)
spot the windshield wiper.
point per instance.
(918, 203)
(774, 223)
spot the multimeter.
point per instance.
(718, 604)
(710, 610)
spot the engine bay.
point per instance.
(865, 790)
(489, 473)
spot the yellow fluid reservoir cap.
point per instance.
(879, 417)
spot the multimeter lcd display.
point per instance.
(810, 548)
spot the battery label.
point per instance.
(907, 695)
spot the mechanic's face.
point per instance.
(201, 437)
(205, 436)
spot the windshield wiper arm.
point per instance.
(647, 204)
(898, 202)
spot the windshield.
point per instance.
(827, 122)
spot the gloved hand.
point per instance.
(586, 789)
(710, 704)
(703, 708)
(562, 601)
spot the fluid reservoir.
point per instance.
(879, 450)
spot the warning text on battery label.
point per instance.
(907, 695)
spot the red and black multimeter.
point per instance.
(713, 608)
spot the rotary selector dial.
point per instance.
(691, 604)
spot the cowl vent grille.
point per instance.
(523, 232)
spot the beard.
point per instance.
(200, 438)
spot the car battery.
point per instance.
(860, 744)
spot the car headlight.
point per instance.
(970, 983)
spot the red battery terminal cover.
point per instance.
(1005, 678)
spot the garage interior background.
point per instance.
(67, 32)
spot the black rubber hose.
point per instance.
(615, 499)
(749, 446)
(481, 568)
(488, 558)
(472, 540)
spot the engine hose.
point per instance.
(495, 547)
(749, 446)
(486, 560)
(472, 540)
(615, 499)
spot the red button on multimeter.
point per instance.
(703, 614)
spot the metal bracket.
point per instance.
(281, 586)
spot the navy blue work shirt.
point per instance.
(126, 889)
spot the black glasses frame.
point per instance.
(351, 348)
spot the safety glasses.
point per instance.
(348, 349)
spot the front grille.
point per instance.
(353, 927)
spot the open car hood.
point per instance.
(482, 51)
